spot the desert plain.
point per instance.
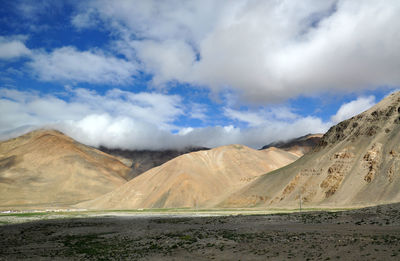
(360, 234)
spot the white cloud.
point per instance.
(198, 111)
(31, 108)
(265, 50)
(167, 60)
(353, 108)
(69, 64)
(13, 47)
(147, 120)
(263, 115)
(85, 20)
(252, 118)
(135, 120)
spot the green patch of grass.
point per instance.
(188, 238)
(91, 245)
(27, 214)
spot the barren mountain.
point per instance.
(197, 179)
(48, 169)
(143, 160)
(357, 163)
(300, 146)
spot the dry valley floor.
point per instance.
(365, 234)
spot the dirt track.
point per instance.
(367, 234)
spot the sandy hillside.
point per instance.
(357, 163)
(45, 168)
(141, 161)
(197, 179)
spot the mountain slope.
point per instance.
(197, 179)
(300, 146)
(357, 163)
(143, 160)
(47, 168)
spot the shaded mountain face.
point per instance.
(45, 168)
(356, 163)
(142, 160)
(196, 179)
(300, 146)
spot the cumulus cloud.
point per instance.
(85, 20)
(262, 116)
(252, 118)
(70, 64)
(265, 50)
(20, 108)
(198, 111)
(273, 124)
(13, 47)
(167, 60)
(353, 108)
(122, 119)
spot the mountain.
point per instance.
(300, 146)
(357, 163)
(45, 168)
(143, 160)
(196, 179)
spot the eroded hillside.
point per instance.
(357, 163)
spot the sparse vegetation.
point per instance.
(353, 234)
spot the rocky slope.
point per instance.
(356, 163)
(45, 168)
(300, 146)
(197, 179)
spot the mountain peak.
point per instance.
(357, 163)
(46, 167)
(379, 119)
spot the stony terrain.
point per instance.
(364, 234)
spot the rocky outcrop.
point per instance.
(356, 163)
(300, 146)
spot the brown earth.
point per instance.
(141, 161)
(45, 168)
(357, 163)
(365, 234)
(197, 179)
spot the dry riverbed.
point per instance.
(364, 234)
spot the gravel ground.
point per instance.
(364, 234)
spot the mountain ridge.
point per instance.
(300, 145)
(142, 160)
(356, 163)
(196, 179)
(48, 168)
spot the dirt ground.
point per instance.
(365, 234)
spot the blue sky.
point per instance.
(169, 74)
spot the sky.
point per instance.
(169, 74)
